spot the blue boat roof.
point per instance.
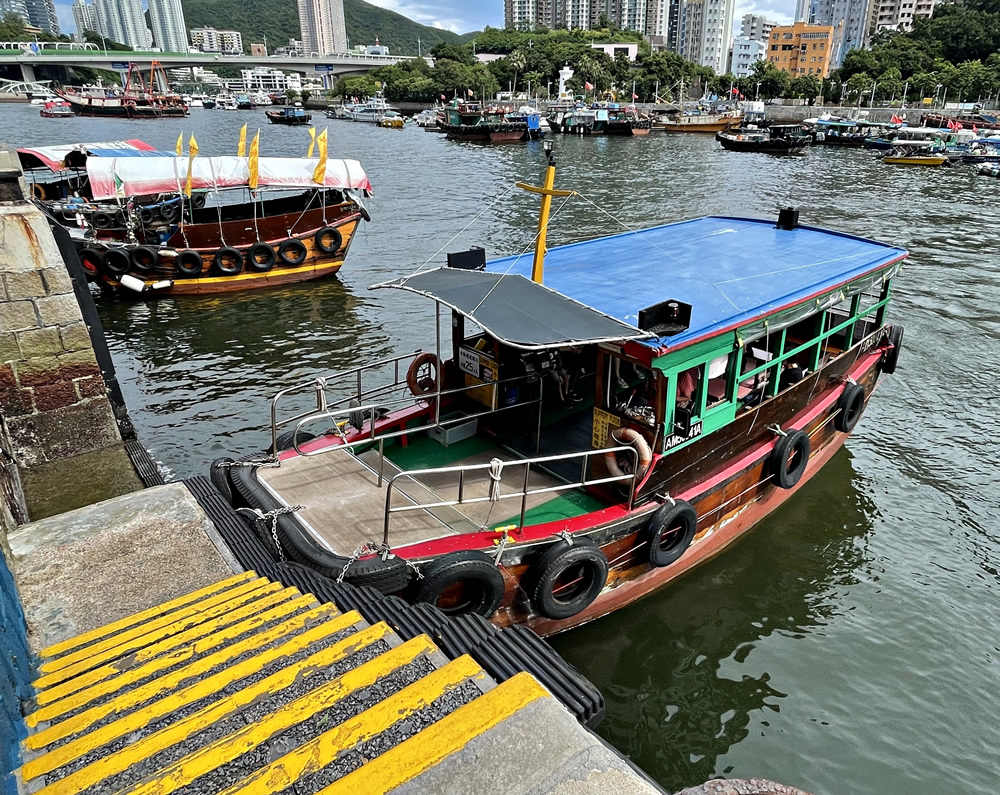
(730, 270)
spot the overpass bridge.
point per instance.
(29, 55)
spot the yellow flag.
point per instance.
(180, 145)
(254, 165)
(312, 141)
(319, 175)
(243, 142)
(192, 153)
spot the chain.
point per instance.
(565, 536)
(364, 549)
(271, 461)
(259, 516)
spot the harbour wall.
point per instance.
(54, 399)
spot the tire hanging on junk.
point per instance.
(261, 257)
(789, 458)
(170, 211)
(293, 252)
(146, 216)
(388, 576)
(671, 531)
(144, 258)
(462, 582)
(102, 220)
(116, 261)
(335, 240)
(891, 357)
(850, 406)
(567, 578)
(91, 259)
(188, 262)
(228, 261)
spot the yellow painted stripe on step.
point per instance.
(322, 750)
(84, 659)
(117, 626)
(113, 764)
(206, 683)
(450, 734)
(368, 724)
(108, 679)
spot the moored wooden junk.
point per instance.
(137, 100)
(141, 224)
(576, 445)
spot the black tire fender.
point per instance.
(146, 216)
(228, 261)
(91, 259)
(188, 262)
(144, 258)
(293, 251)
(198, 200)
(391, 575)
(587, 567)
(850, 406)
(335, 238)
(102, 220)
(484, 583)
(261, 257)
(170, 211)
(116, 261)
(219, 475)
(891, 357)
(671, 531)
(789, 458)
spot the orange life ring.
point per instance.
(627, 436)
(419, 387)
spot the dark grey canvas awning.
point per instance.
(516, 310)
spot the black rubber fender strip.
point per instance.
(241, 538)
(145, 466)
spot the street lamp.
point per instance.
(757, 94)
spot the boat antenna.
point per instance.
(547, 191)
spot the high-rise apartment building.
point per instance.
(123, 21)
(706, 31)
(650, 17)
(212, 40)
(657, 17)
(849, 19)
(802, 49)
(756, 27)
(324, 30)
(16, 7)
(169, 30)
(897, 14)
(745, 53)
(42, 15)
(84, 17)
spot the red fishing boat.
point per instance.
(138, 100)
(571, 446)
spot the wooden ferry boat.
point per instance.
(471, 121)
(295, 116)
(589, 439)
(137, 101)
(778, 139)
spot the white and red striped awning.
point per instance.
(64, 156)
(110, 177)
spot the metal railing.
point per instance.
(523, 493)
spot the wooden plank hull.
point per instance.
(701, 127)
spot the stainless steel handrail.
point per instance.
(523, 493)
(321, 384)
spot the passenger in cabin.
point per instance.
(791, 374)
(687, 383)
(553, 367)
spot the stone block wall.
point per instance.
(52, 394)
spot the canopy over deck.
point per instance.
(515, 310)
(732, 271)
(57, 158)
(111, 176)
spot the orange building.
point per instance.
(801, 49)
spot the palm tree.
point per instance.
(517, 63)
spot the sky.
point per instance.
(462, 16)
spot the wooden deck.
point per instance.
(345, 506)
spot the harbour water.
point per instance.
(848, 644)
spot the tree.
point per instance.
(889, 84)
(516, 61)
(805, 87)
(460, 53)
(771, 81)
(858, 87)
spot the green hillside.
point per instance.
(279, 21)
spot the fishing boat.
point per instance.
(590, 423)
(56, 109)
(136, 101)
(776, 139)
(296, 115)
(427, 117)
(534, 125)
(579, 121)
(918, 155)
(627, 121)
(983, 121)
(697, 122)
(207, 102)
(392, 120)
(137, 230)
(243, 102)
(472, 121)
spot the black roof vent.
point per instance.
(666, 318)
(472, 260)
(788, 218)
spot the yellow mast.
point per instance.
(547, 192)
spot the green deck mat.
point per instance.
(565, 506)
(422, 452)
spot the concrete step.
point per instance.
(246, 686)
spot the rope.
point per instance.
(271, 461)
(460, 233)
(259, 516)
(496, 470)
(218, 203)
(776, 429)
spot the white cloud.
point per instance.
(437, 15)
(782, 11)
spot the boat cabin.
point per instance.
(653, 398)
